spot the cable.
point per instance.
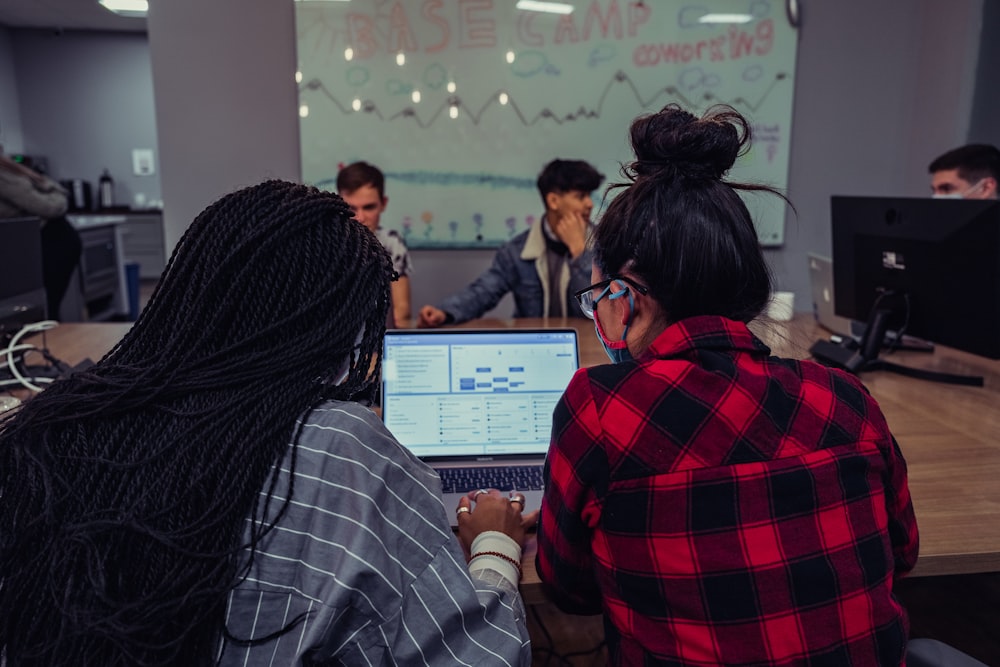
(19, 348)
(5, 383)
(549, 652)
(591, 651)
(897, 341)
(12, 347)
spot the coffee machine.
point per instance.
(79, 195)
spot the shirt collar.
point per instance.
(705, 332)
(534, 245)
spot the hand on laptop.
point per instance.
(492, 510)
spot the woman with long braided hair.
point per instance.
(213, 491)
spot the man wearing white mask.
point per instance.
(967, 172)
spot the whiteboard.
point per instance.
(462, 102)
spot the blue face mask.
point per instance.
(617, 351)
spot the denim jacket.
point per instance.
(520, 267)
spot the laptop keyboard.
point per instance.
(504, 478)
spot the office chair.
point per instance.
(933, 653)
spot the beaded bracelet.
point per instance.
(501, 556)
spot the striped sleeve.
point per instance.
(363, 567)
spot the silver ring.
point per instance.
(479, 492)
(462, 510)
(518, 498)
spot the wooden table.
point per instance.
(73, 342)
(950, 436)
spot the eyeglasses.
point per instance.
(585, 297)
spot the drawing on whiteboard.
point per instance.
(462, 102)
(690, 80)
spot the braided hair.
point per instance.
(125, 490)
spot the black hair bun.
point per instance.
(674, 143)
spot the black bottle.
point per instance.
(106, 191)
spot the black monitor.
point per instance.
(921, 266)
(22, 287)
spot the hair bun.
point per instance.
(674, 143)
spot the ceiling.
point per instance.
(65, 15)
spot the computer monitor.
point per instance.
(921, 266)
(22, 287)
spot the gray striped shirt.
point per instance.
(366, 554)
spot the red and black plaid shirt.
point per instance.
(723, 506)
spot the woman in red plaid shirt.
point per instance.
(719, 505)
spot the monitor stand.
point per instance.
(863, 356)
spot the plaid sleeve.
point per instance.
(902, 521)
(570, 509)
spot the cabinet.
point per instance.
(111, 240)
(97, 289)
(141, 238)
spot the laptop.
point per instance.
(476, 404)
(821, 283)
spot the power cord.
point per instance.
(548, 653)
(900, 331)
(13, 348)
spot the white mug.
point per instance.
(781, 307)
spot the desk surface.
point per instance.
(948, 435)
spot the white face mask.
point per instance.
(958, 195)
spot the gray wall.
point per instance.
(985, 126)
(881, 89)
(226, 99)
(10, 106)
(86, 101)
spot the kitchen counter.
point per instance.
(82, 220)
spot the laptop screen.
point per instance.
(464, 393)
